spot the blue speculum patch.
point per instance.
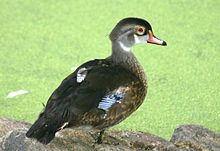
(110, 100)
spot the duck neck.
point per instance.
(122, 55)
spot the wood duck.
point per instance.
(102, 92)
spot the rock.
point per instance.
(7, 125)
(136, 140)
(106, 147)
(185, 138)
(75, 139)
(196, 137)
(12, 137)
(16, 140)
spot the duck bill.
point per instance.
(154, 40)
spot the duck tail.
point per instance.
(44, 129)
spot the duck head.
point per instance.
(131, 31)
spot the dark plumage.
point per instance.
(101, 92)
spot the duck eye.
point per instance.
(140, 30)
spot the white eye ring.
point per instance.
(140, 30)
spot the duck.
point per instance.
(101, 92)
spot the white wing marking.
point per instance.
(81, 75)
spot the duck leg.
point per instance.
(99, 138)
